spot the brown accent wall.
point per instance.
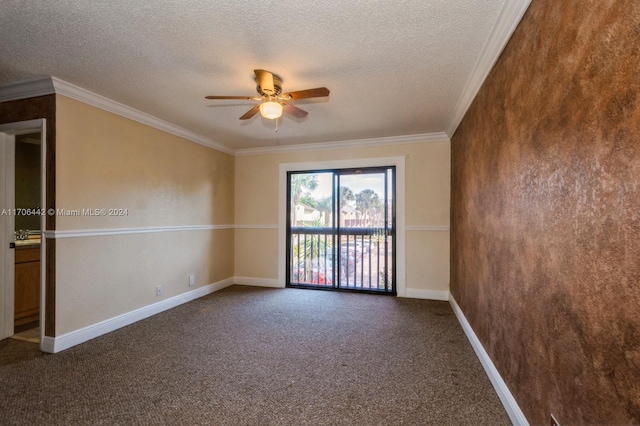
(545, 246)
(32, 109)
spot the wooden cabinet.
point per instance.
(27, 285)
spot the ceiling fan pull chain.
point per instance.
(276, 125)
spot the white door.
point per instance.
(7, 227)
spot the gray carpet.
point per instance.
(251, 356)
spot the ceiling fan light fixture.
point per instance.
(273, 100)
(271, 110)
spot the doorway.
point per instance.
(22, 223)
(341, 229)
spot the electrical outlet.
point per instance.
(159, 291)
(192, 280)
(554, 421)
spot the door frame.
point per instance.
(337, 231)
(7, 171)
(398, 162)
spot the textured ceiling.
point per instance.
(394, 68)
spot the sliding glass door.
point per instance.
(341, 229)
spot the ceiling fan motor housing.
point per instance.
(277, 86)
(273, 101)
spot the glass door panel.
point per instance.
(311, 229)
(341, 227)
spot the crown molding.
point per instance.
(391, 140)
(509, 18)
(79, 94)
(51, 85)
(26, 89)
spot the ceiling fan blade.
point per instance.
(248, 98)
(295, 111)
(265, 81)
(253, 111)
(318, 92)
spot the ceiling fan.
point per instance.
(274, 102)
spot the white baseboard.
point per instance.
(427, 294)
(508, 401)
(60, 343)
(47, 344)
(410, 293)
(258, 282)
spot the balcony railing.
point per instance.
(354, 258)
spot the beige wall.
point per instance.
(427, 168)
(107, 161)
